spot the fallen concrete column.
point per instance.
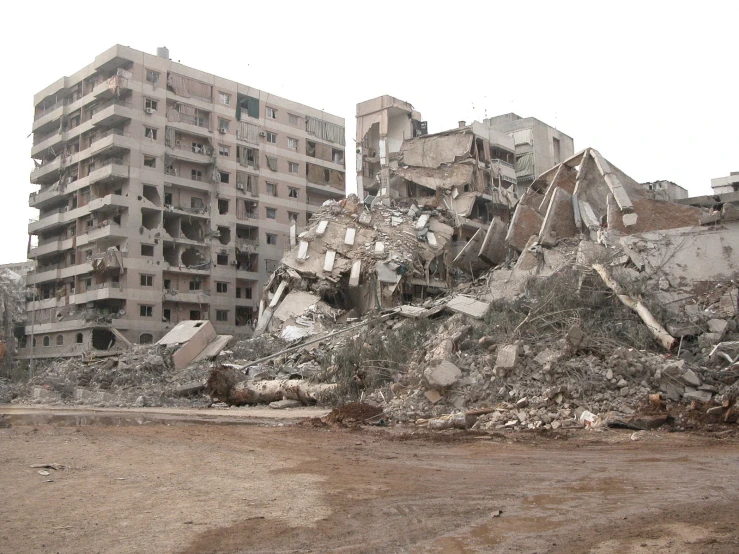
(659, 332)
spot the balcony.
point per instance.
(43, 274)
(112, 141)
(101, 291)
(194, 154)
(113, 114)
(245, 302)
(47, 173)
(43, 120)
(45, 196)
(107, 229)
(173, 179)
(51, 245)
(327, 190)
(46, 141)
(48, 220)
(112, 170)
(203, 269)
(117, 84)
(108, 203)
(247, 245)
(203, 212)
(247, 274)
(193, 297)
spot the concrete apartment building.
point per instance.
(724, 185)
(667, 191)
(166, 194)
(538, 145)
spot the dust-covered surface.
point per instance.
(191, 487)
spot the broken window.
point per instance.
(293, 119)
(222, 206)
(272, 162)
(147, 249)
(224, 98)
(225, 177)
(293, 167)
(292, 144)
(196, 175)
(272, 137)
(292, 192)
(146, 311)
(271, 213)
(337, 156)
(272, 239)
(221, 287)
(196, 203)
(271, 113)
(166, 314)
(150, 105)
(194, 314)
(223, 125)
(272, 189)
(150, 133)
(222, 259)
(310, 149)
(224, 150)
(152, 77)
(292, 216)
(198, 148)
(167, 198)
(147, 280)
(146, 338)
(78, 338)
(150, 161)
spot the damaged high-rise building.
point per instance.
(166, 194)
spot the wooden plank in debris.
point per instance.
(349, 237)
(303, 251)
(422, 221)
(321, 229)
(328, 264)
(355, 272)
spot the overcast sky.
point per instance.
(651, 85)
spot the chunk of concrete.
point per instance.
(284, 404)
(691, 379)
(699, 395)
(718, 326)
(432, 396)
(468, 306)
(507, 357)
(442, 375)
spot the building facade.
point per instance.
(724, 185)
(667, 191)
(166, 194)
(538, 145)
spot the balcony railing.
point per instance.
(107, 133)
(204, 150)
(51, 108)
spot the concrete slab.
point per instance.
(214, 347)
(468, 306)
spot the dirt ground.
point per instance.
(201, 483)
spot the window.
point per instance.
(271, 265)
(198, 147)
(78, 338)
(146, 311)
(166, 313)
(47, 341)
(147, 280)
(272, 137)
(150, 133)
(293, 119)
(152, 77)
(247, 293)
(293, 167)
(326, 175)
(271, 213)
(337, 156)
(59, 340)
(221, 315)
(147, 249)
(272, 189)
(224, 150)
(195, 285)
(225, 177)
(221, 287)
(292, 192)
(196, 175)
(150, 161)
(292, 216)
(271, 113)
(146, 338)
(292, 143)
(222, 259)
(224, 98)
(271, 239)
(194, 314)
(238, 292)
(222, 206)
(150, 105)
(167, 284)
(310, 149)
(223, 124)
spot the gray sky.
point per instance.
(652, 85)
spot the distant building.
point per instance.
(666, 191)
(21, 268)
(722, 185)
(538, 145)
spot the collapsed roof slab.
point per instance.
(559, 221)
(493, 248)
(526, 220)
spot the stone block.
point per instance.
(699, 395)
(507, 357)
(691, 379)
(717, 326)
(442, 375)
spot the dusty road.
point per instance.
(142, 484)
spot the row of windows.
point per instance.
(146, 311)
